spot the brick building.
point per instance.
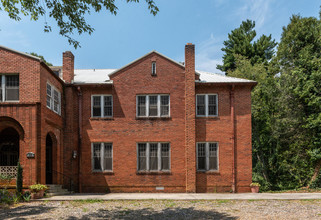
(154, 125)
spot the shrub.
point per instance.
(255, 184)
(19, 179)
(26, 196)
(37, 187)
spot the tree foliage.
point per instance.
(69, 15)
(41, 57)
(286, 105)
(241, 41)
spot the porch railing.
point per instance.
(9, 171)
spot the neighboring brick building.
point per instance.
(154, 125)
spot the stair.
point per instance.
(56, 190)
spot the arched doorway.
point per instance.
(49, 159)
(9, 148)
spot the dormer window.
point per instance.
(154, 68)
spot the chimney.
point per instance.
(68, 67)
(190, 155)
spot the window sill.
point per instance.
(208, 117)
(101, 118)
(103, 172)
(209, 172)
(154, 173)
(153, 118)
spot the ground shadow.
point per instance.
(23, 211)
(148, 213)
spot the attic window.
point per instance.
(154, 68)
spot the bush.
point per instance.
(37, 187)
(19, 179)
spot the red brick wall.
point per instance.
(125, 131)
(219, 129)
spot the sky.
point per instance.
(133, 32)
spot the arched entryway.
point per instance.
(11, 137)
(9, 147)
(51, 159)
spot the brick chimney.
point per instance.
(190, 118)
(68, 66)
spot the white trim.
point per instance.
(102, 157)
(206, 105)
(102, 104)
(159, 156)
(207, 144)
(158, 106)
(3, 87)
(52, 99)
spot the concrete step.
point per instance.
(56, 190)
(59, 193)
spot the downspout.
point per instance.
(79, 134)
(233, 139)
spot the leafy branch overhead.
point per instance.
(69, 14)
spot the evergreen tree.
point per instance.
(19, 181)
(240, 41)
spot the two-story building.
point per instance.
(154, 125)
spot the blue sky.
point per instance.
(120, 39)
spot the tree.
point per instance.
(19, 181)
(299, 118)
(240, 41)
(69, 15)
(41, 57)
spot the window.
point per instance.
(153, 157)
(53, 99)
(153, 105)
(102, 106)
(102, 156)
(153, 68)
(206, 105)
(9, 88)
(207, 156)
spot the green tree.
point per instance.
(69, 15)
(241, 41)
(299, 118)
(41, 57)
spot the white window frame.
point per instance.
(102, 153)
(207, 156)
(206, 105)
(158, 106)
(3, 87)
(51, 107)
(102, 104)
(153, 64)
(159, 158)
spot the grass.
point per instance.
(222, 201)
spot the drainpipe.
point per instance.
(79, 134)
(233, 139)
